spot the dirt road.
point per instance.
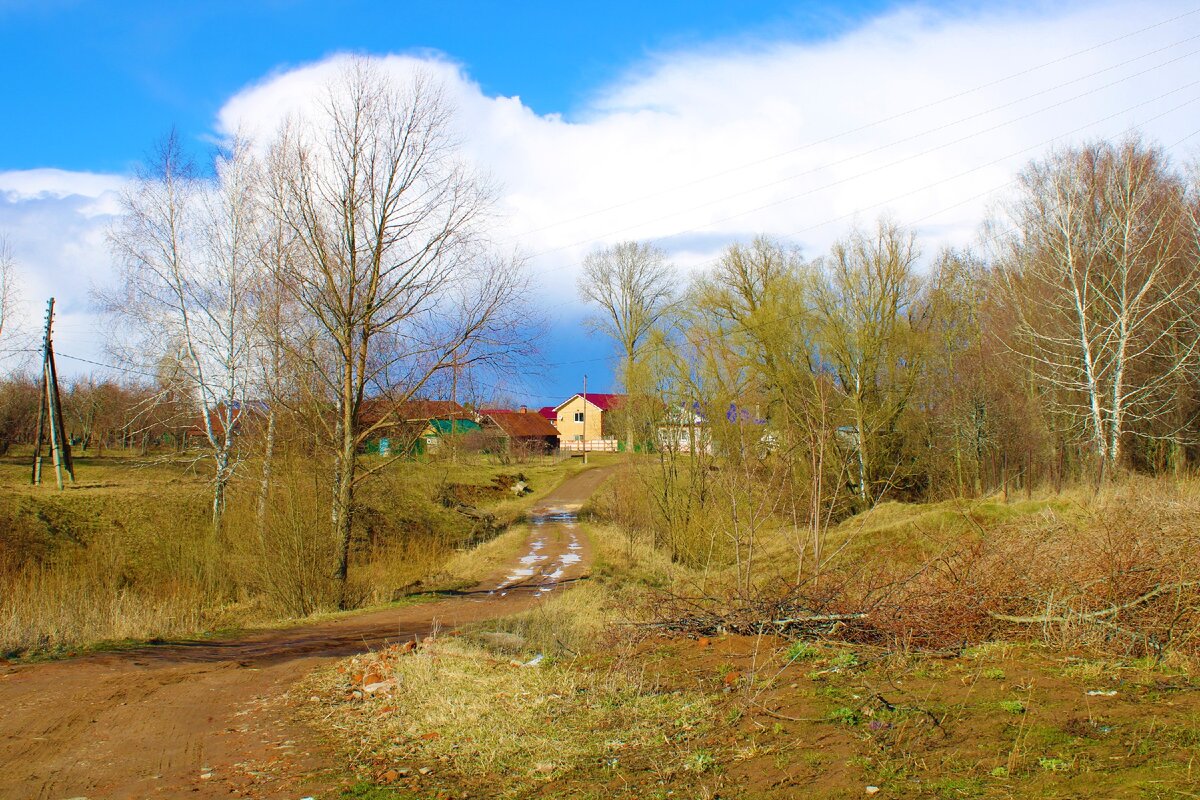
(209, 719)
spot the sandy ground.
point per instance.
(209, 719)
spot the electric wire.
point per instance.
(879, 148)
(868, 126)
(887, 119)
(859, 175)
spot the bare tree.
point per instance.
(1103, 280)
(185, 248)
(8, 288)
(869, 310)
(633, 285)
(759, 329)
(391, 266)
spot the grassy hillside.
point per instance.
(129, 552)
(628, 702)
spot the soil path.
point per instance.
(210, 719)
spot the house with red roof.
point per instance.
(588, 418)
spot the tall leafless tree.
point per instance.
(185, 248)
(869, 309)
(633, 287)
(392, 265)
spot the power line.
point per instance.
(992, 190)
(926, 187)
(108, 366)
(1002, 159)
(859, 175)
(494, 387)
(885, 120)
(982, 243)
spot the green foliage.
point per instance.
(957, 787)
(369, 791)
(1012, 706)
(844, 715)
(846, 659)
(801, 651)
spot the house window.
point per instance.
(579, 416)
(579, 437)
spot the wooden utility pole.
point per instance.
(50, 410)
(451, 438)
(585, 402)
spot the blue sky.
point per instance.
(135, 69)
(687, 124)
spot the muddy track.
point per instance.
(209, 718)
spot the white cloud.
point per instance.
(58, 242)
(33, 184)
(796, 140)
(770, 122)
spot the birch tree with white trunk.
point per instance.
(1102, 275)
(185, 249)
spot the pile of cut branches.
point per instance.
(1123, 579)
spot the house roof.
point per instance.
(738, 413)
(549, 412)
(373, 410)
(522, 425)
(605, 402)
(443, 427)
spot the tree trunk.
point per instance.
(220, 484)
(264, 488)
(860, 427)
(343, 488)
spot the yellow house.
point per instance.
(581, 419)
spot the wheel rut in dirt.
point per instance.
(209, 718)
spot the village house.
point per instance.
(518, 431)
(685, 430)
(415, 425)
(588, 419)
(688, 429)
(245, 415)
(439, 432)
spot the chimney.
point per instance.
(523, 409)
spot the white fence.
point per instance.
(593, 446)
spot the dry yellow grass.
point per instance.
(471, 715)
(128, 552)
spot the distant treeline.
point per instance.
(100, 414)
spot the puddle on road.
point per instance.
(538, 571)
